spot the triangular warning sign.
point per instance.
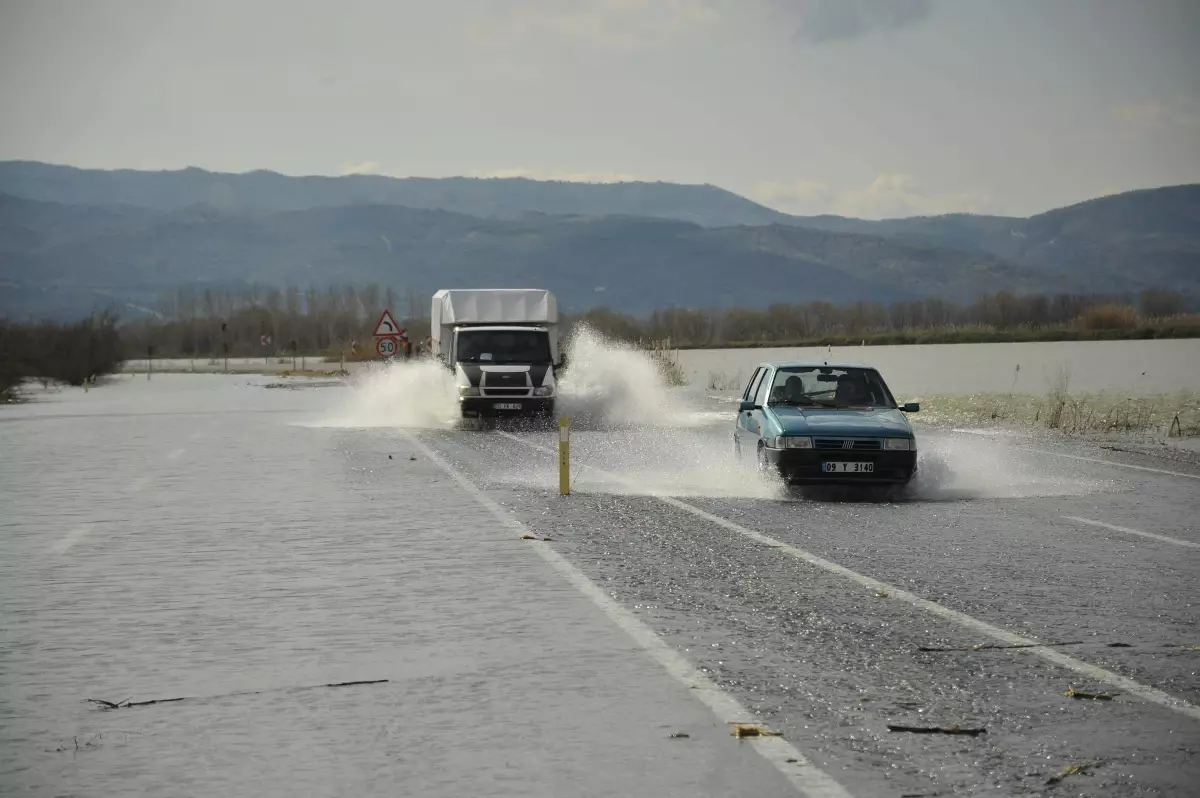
(387, 325)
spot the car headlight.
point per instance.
(790, 442)
(468, 390)
(898, 444)
(544, 390)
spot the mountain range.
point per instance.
(73, 239)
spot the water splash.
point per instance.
(956, 466)
(609, 384)
(412, 395)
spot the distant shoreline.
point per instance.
(918, 338)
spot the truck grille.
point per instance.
(490, 391)
(848, 444)
(503, 379)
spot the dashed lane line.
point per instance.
(1129, 686)
(1126, 530)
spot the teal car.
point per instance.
(816, 423)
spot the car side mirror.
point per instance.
(746, 407)
(911, 407)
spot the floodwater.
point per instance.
(248, 547)
(1138, 368)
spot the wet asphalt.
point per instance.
(223, 545)
(831, 664)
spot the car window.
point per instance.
(752, 386)
(760, 397)
(830, 386)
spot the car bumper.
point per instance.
(487, 406)
(803, 466)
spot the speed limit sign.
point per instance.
(386, 347)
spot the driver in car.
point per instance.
(852, 390)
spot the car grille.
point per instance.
(490, 391)
(848, 444)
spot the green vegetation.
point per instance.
(67, 353)
(1162, 416)
(992, 318)
(336, 324)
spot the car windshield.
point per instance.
(503, 346)
(829, 386)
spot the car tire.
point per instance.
(764, 465)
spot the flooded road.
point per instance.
(210, 538)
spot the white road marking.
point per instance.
(1099, 460)
(1114, 463)
(175, 454)
(71, 538)
(805, 776)
(1129, 531)
(1037, 649)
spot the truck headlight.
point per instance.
(898, 444)
(791, 442)
(468, 390)
(544, 390)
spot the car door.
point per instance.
(743, 430)
(756, 422)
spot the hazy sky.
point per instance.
(862, 107)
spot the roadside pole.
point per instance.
(149, 361)
(564, 457)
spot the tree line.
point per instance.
(339, 320)
(62, 353)
(931, 319)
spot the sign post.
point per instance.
(564, 457)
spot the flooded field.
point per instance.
(254, 548)
(1127, 367)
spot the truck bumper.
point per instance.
(491, 407)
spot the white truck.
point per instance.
(502, 345)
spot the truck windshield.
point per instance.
(503, 346)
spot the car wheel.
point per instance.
(764, 465)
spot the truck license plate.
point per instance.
(508, 405)
(843, 467)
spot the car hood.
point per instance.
(878, 422)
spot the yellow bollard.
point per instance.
(564, 457)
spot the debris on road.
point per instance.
(998, 647)
(679, 735)
(527, 536)
(752, 730)
(1079, 769)
(1073, 693)
(126, 704)
(1119, 645)
(936, 730)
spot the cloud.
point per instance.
(821, 21)
(1154, 115)
(887, 196)
(568, 177)
(622, 24)
(364, 168)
